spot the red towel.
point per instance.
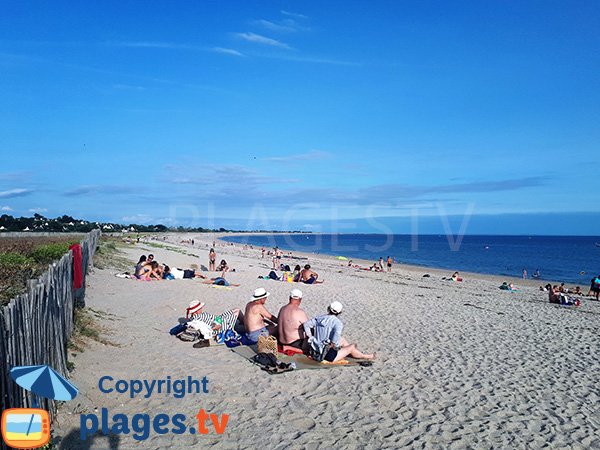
(77, 266)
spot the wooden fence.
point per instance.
(35, 326)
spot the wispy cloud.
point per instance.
(96, 189)
(37, 210)
(6, 208)
(284, 27)
(263, 40)
(227, 51)
(11, 193)
(307, 156)
(293, 14)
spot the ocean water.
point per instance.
(572, 259)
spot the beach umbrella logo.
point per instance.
(30, 427)
(44, 381)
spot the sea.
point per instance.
(569, 259)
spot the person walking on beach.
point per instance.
(524, 274)
(212, 260)
(327, 343)
(389, 264)
(290, 320)
(262, 253)
(256, 317)
(381, 263)
(596, 287)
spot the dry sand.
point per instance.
(461, 365)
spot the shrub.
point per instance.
(14, 261)
(46, 254)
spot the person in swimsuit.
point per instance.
(223, 267)
(389, 263)
(140, 266)
(307, 276)
(212, 259)
(258, 321)
(290, 320)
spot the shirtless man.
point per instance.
(255, 316)
(307, 276)
(290, 318)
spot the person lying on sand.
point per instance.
(176, 273)
(308, 276)
(327, 343)
(258, 321)
(227, 320)
(290, 320)
(219, 281)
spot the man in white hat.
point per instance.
(327, 343)
(290, 319)
(255, 316)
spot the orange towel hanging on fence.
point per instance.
(77, 266)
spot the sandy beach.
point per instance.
(460, 365)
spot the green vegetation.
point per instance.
(109, 255)
(22, 259)
(170, 248)
(86, 328)
(46, 254)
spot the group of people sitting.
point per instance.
(147, 268)
(319, 337)
(298, 275)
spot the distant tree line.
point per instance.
(66, 223)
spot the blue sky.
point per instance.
(301, 114)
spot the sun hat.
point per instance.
(194, 307)
(336, 307)
(296, 293)
(260, 293)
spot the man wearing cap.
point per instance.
(255, 316)
(290, 319)
(327, 343)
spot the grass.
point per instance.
(86, 329)
(110, 256)
(170, 248)
(22, 259)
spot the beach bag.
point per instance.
(267, 344)
(189, 335)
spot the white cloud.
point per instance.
(227, 51)
(15, 193)
(138, 218)
(37, 210)
(6, 208)
(259, 39)
(272, 26)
